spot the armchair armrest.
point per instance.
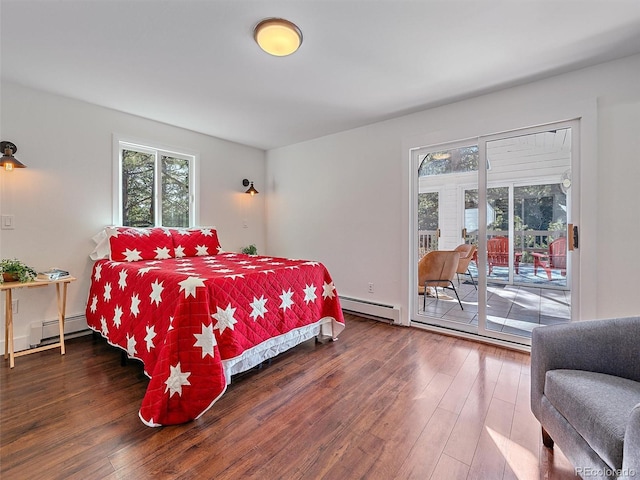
(631, 456)
(540, 255)
(604, 346)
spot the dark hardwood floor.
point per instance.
(383, 402)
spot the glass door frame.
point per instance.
(572, 214)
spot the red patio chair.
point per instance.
(556, 258)
(498, 254)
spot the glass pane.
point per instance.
(540, 215)
(175, 192)
(498, 229)
(447, 299)
(427, 222)
(137, 189)
(527, 274)
(457, 160)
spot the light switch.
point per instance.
(8, 222)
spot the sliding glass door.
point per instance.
(508, 196)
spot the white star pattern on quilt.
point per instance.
(177, 379)
(98, 273)
(310, 293)
(327, 290)
(153, 262)
(156, 292)
(224, 270)
(268, 271)
(104, 326)
(258, 307)
(132, 255)
(313, 264)
(225, 318)
(131, 345)
(186, 268)
(202, 250)
(94, 304)
(286, 299)
(107, 292)
(135, 305)
(206, 340)
(233, 277)
(117, 316)
(206, 232)
(123, 280)
(179, 251)
(189, 286)
(151, 334)
(144, 270)
(162, 253)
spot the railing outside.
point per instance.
(525, 241)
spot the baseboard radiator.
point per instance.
(378, 311)
(49, 331)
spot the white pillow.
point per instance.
(102, 249)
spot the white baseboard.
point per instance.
(47, 331)
(371, 309)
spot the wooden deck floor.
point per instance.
(383, 402)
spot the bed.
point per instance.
(195, 316)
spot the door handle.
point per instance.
(572, 234)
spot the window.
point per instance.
(155, 187)
(457, 160)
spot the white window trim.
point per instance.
(154, 147)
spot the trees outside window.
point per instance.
(155, 187)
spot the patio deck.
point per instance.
(514, 309)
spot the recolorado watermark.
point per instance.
(586, 472)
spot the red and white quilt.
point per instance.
(186, 318)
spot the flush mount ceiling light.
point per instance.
(277, 36)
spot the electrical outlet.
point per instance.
(371, 288)
(14, 306)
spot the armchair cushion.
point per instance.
(598, 406)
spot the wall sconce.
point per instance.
(251, 191)
(8, 161)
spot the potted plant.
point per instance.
(250, 250)
(16, 271)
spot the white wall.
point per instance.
(344, 199)
(64, 196)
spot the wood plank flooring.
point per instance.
(383, 402)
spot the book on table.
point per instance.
(52, 274)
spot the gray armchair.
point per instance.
(585, 392)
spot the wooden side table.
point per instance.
(8, 315)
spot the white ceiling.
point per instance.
(194, 64)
